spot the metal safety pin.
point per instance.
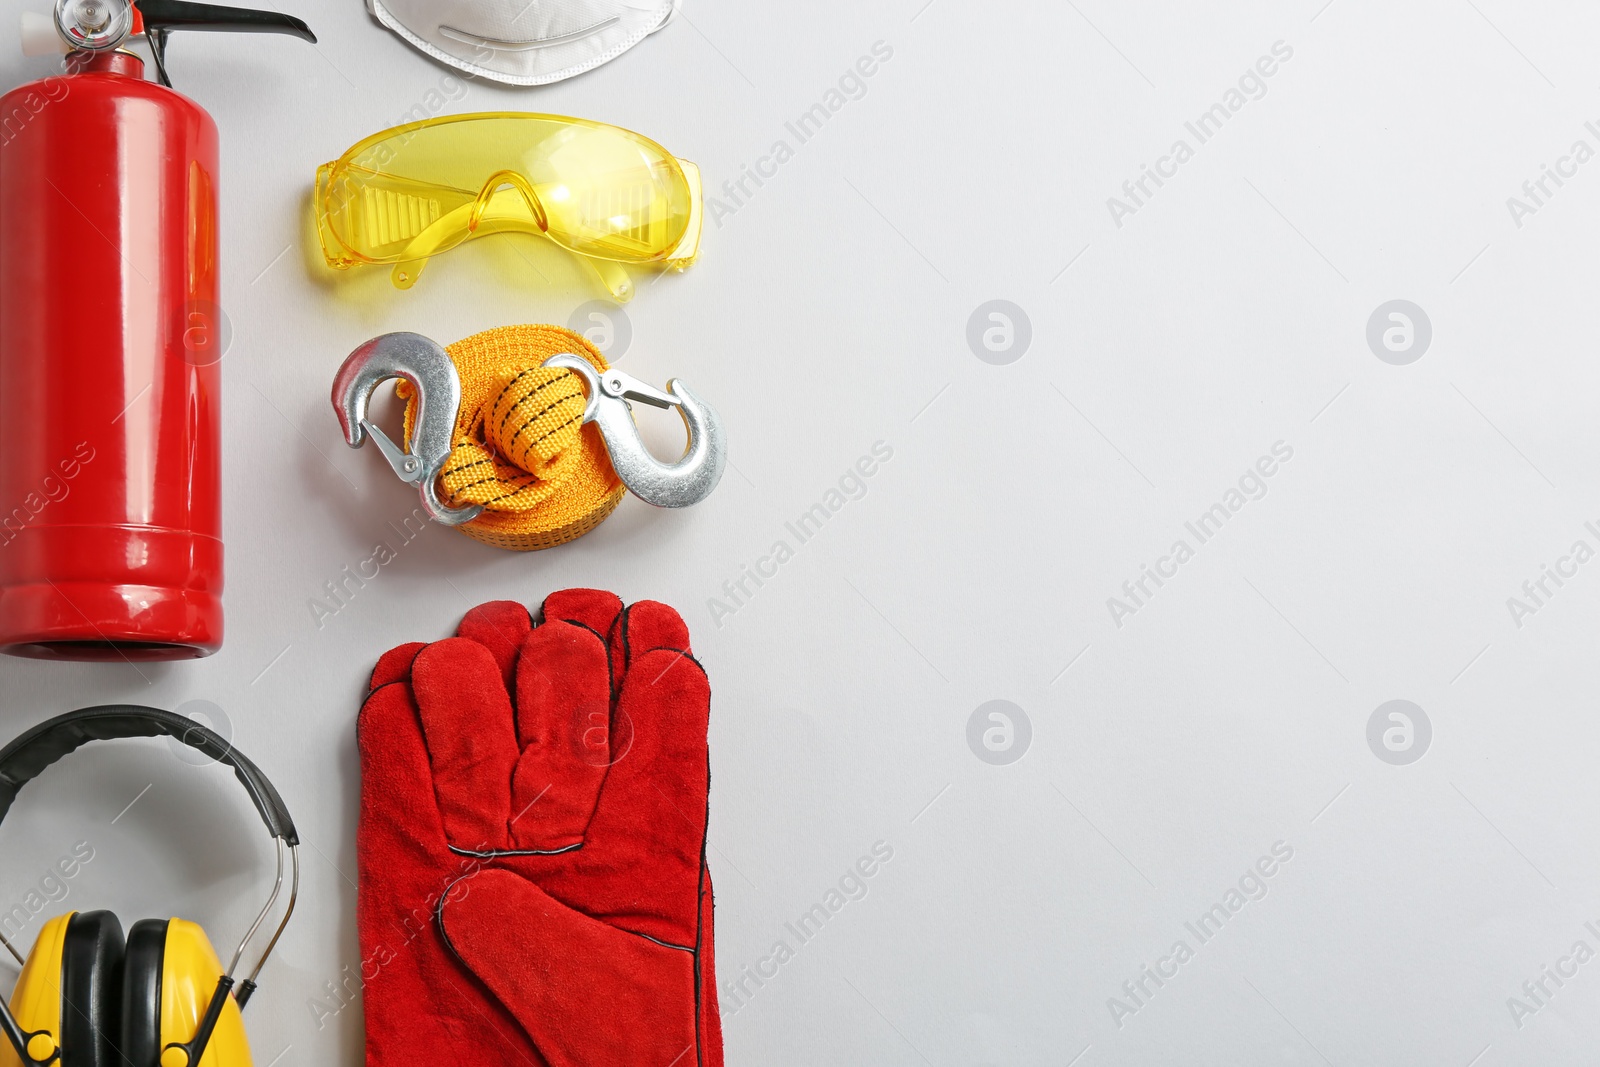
(676, 485)
(428, 368)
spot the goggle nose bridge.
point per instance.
(501, 180)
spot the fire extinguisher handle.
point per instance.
(163, 15)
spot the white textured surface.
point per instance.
(830, 312)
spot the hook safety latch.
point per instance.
(421, 362)
(675, 485)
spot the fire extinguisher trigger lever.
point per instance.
(106, 25)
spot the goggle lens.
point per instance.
(420, 190)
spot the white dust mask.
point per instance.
(524, 42)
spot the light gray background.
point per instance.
(830, 312)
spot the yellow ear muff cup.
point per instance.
(189, 977)
(141, 994)
(169, 976)
(36, 999)
(91, 990)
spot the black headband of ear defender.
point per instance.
(23, 759)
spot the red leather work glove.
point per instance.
(532, 843)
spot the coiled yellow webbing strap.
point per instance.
(520, 448)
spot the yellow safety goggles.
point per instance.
(607, 194)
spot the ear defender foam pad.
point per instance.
(91, 990)
(141, 994)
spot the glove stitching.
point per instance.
(700, 921)
(491, 854)
(444, 898)
(664, 944)
(621, 626)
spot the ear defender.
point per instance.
(87, 997)
(106, 1003)
(170, 989)
(70, 991)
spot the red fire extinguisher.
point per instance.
(110, 341)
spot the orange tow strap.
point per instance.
(520, 447)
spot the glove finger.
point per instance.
(647, 626)
(658, 788)
(401, 834)
(394, 665)
(403, 866)
(500, 626)
(564, 727)
(595, 609)
(587, 993)
(472, 745)
(640, 863)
